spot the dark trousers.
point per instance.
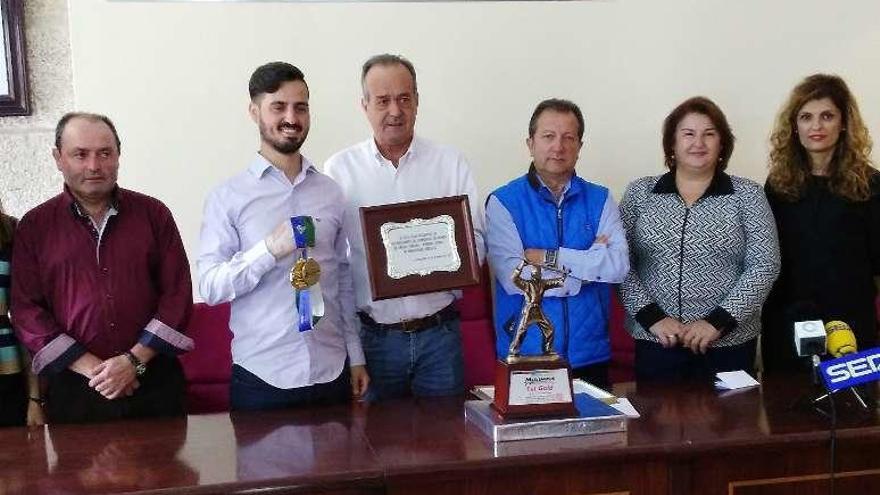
(69, 399)
(13, 400)
(596, 374)
(247, 392)
(654, 362)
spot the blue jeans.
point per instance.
(247, 392)
(426, 363)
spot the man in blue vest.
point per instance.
(554, 218)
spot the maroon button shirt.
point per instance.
(77, 291)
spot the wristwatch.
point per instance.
(550, 257)
(139, 367)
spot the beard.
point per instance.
(284, 145)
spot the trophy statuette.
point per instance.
(533, 385)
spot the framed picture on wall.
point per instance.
(14, 98)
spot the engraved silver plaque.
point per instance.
(420, 246)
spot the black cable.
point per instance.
(832, 439)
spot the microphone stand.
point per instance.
(828, 393)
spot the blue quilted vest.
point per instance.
(581, 321)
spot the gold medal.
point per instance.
(305, 273)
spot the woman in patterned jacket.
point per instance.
(704, 253)
(16, 384)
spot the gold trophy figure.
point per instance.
(536, 385)
(533, 290)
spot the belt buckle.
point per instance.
(408, 326)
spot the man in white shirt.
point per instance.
(290, 347)
(413, 343)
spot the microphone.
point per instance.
(809, 337)
(850, 367)
(841, 339)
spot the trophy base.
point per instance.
(533, 386)
(594, 419)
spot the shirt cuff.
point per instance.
(57, 355)
(259, 258)
(649, 315)
(355, 355)
(722, 320)
(574, 261)
(164, 339)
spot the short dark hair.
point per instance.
(267, 78)
(703, 106)
(557, 105)
(387, 59)
(94, 117)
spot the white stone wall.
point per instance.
(27, 171)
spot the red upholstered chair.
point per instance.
(477, 333)
(208, 367)
(623, 347)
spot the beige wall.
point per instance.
(27, 171)
(173, 75)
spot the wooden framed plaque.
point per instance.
(420, 246)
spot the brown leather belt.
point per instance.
(412, 326)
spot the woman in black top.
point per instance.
(825, 195)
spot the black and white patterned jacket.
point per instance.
(715, 260)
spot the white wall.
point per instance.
(174, 76)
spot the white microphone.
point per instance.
(809, 337)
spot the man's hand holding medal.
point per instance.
(298, 233)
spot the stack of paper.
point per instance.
(734, 380)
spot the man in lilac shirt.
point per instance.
(282, 356)
(102, 288)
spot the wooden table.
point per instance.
(689, 440)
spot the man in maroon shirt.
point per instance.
(102, 287)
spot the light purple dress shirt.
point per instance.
(235, 265)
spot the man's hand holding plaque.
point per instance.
(419, 246)
(536, 385)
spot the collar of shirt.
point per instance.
(260, 166)
(539, 184)
(69, 200)
(721, 185)
(382, 161)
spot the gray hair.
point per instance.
(387, 59)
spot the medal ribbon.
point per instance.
(304, 238)
(304, 304)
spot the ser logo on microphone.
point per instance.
(852, 369)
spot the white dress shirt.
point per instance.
(427, 170)
(235, 265)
